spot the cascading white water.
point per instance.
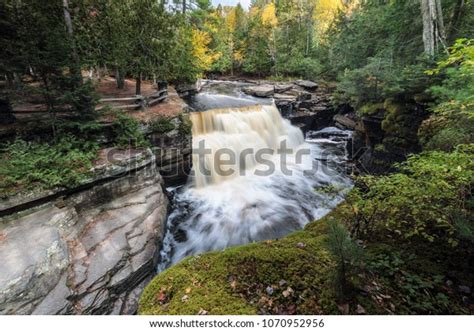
(241, 132)
(215, 211)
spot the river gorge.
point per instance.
(264, 164)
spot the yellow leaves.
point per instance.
(324, 13)
(269, 15)
(238, 56)
(202, 55)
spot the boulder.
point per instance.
(262, 91)
(282, 88)
(344, 122)
(307, 84)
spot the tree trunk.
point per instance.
(75, 68)
(138, 85)
(184, 7)
(120, 79)
(456, 16)
(433, 25)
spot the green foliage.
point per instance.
(82, 100)
(422, 290)
(389, 30)
(347, 254)
(34, 166)
(458, 69)
(128, 132)
(379, 80)
(162, 125)
(185, 124)
(424, 201)
(452, 122)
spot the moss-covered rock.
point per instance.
(289, 275)
(371, 109)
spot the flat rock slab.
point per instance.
(282, 88)
(307, 84)
(288, 97)
(262, 91)
(344, 121)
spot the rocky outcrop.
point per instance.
(262, 91)
(303, 102)
(173, 154)
(384, 134)
(307, 84)
(89, 250)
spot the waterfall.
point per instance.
(251, 129)
(259, 190)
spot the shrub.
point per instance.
(185, 124)
(128, 132)
(162, 125)
(27, 166)
(426, 200)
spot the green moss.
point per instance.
(162, 125)
(235, 281)
(185, 124)
(371, 108)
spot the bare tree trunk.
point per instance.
(184, 7)
(120, 79)
(138, 85)
(456, 16)
(75, 68)
(433, 26)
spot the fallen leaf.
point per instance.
(344, 308)
(185, 298)
(188, 290)
(202, 312)
(360, 310)
(289, 291)
(301, 245)
(161, 296)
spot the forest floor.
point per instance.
(32, 107)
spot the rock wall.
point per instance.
(89, 250)
(384, 133)
(173, 151)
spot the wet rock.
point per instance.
(188, 89)
(288, 97)
(259, 90)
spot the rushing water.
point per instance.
(255, 197)
(223, 94)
